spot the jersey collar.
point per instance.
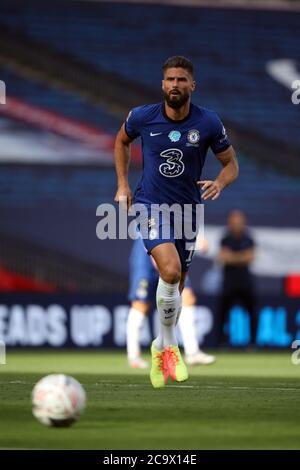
(175, 121)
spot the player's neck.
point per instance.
(177, 114)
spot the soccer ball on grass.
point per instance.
(58, 400)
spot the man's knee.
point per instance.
(168, 262)
(171, 273)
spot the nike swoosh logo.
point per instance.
(283, 71)
(152, 134)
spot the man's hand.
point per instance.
(212, 189)
(124, 197)
(229, 172)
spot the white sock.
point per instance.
(135, 322)
(179, 310)
(187, 327)
(168, 304)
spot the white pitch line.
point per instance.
(207, 387)
(3, 382)
(199, 387)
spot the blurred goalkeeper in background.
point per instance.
(143, 284)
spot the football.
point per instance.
(58, 400)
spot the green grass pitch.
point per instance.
(244, 401)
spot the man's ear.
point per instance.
(194, 85)
(162, 84)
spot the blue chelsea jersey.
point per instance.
(174, 152)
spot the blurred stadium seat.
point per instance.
(230, 48)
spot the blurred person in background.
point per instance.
(143, 284)
(237, 252)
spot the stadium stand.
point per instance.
(131, 41)
(55, 99)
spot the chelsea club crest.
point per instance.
(174, 136)
(193, 136)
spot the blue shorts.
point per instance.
(157, 228)
(143, 276)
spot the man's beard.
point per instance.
(176, 101)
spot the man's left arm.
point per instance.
(229, 172)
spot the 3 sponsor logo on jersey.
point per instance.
(173, 166)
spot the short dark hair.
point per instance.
(179, 61)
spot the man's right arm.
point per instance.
(122, 160)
